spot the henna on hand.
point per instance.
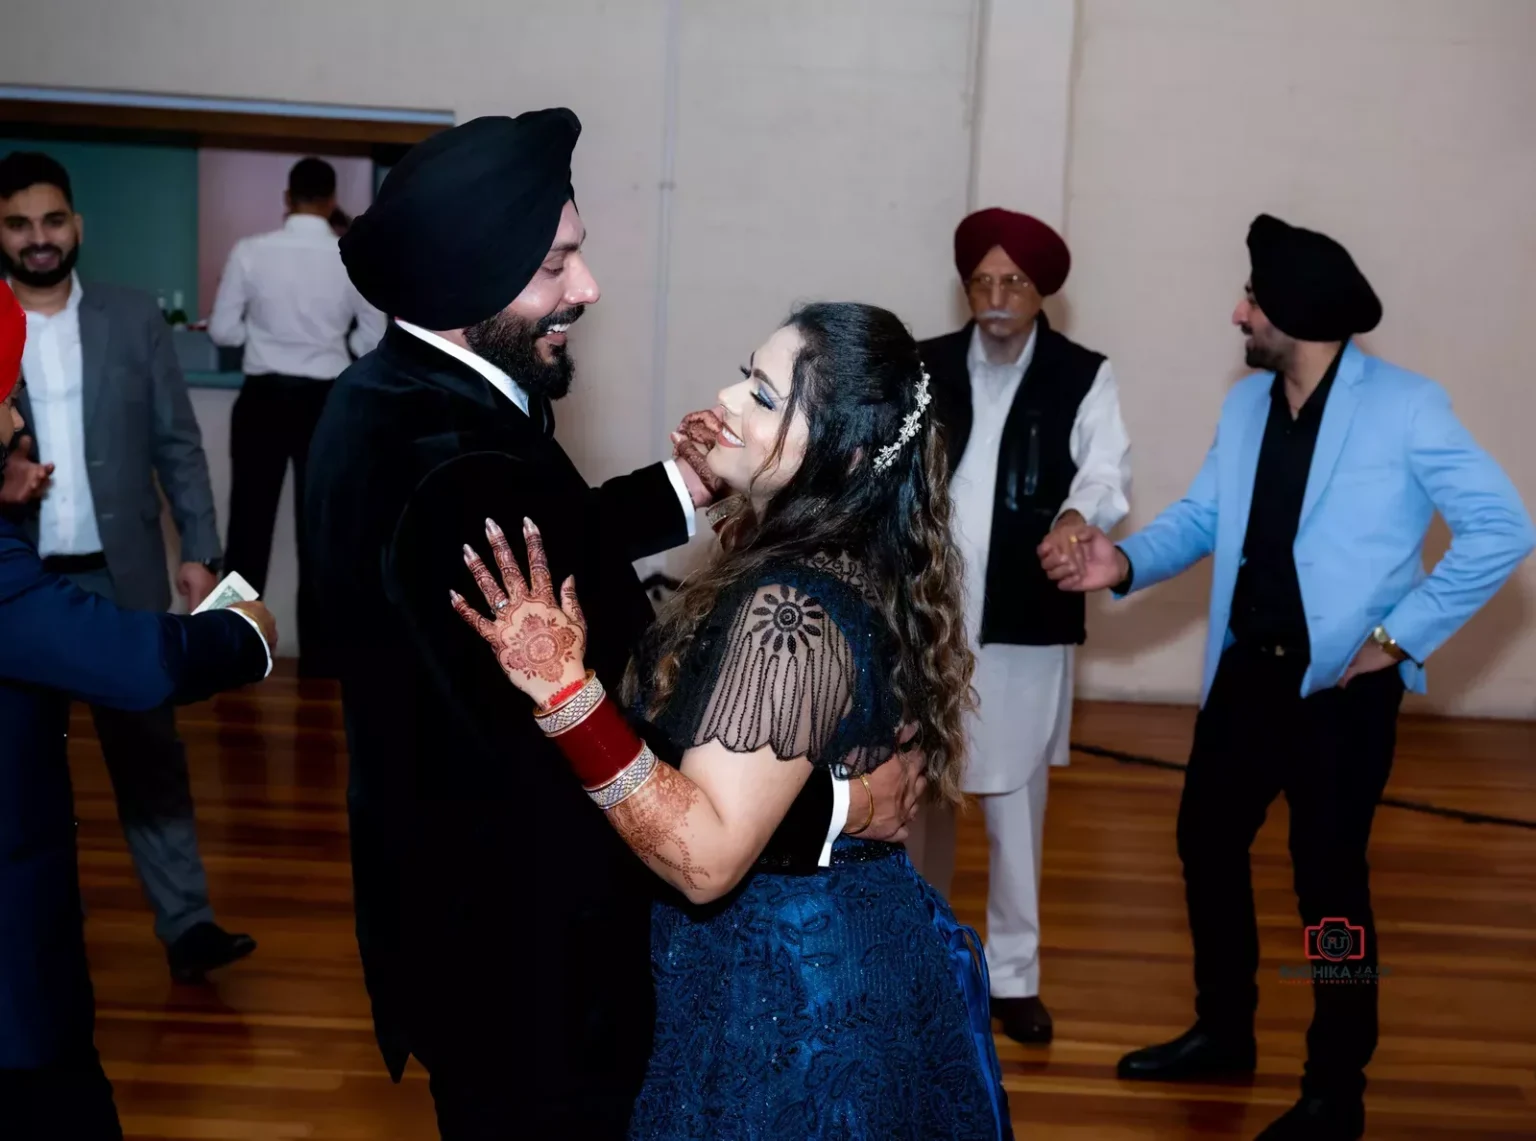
(539, 643)
(691, 444)
(653, 822)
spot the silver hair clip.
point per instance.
(886, 456)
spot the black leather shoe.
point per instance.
(1193, 1056)
(1024, 1019)
(206, 947)
(1319, 1119)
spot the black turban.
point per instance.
(465, 219)
(1307, 284)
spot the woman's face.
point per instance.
(753, 412)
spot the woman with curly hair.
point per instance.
(847, 1003)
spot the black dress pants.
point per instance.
(1330, 754)
(272, 423)
(68, 1098)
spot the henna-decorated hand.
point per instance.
(691, 444)
(540, 642)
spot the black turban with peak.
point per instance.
(1307, 284)
(465, 219)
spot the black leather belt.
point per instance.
(1275, 650)
(75, 564)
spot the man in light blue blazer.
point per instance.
(1314, 499)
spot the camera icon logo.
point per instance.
(1336, 940)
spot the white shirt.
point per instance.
(52, 365)
(1023, 688)
(514, 392)
(286, 297)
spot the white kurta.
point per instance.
(1026, 691)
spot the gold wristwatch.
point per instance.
(1388, 643)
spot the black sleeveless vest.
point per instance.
(1034, 475)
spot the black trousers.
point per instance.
(1330, 754)
(69, 1098)
(474, 1101)
(272, 423)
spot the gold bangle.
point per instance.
(869, 792)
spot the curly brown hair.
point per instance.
(856, 376)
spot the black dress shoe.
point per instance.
(1319, 1119)
(204, 948)
(1024, 1019)
(1194, 1056)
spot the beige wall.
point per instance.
(1402, 128)
(820, 149)
(825, 147)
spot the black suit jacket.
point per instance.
(503, 924)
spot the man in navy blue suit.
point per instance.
(59, 643)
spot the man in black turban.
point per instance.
(1313, 503)
(503, 924)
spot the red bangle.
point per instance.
(564, 695)
(601, 746)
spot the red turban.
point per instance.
(13, 335)
(1034, 247)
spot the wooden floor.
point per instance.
(280, 1046)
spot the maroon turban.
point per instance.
(1034, 247)
(13, 336)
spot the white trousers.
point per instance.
(1015, 842)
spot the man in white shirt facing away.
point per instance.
(111, 417)
(286, 297)
(1036, 445)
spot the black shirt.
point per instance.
(1266, 606)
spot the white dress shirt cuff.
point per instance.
(840, 800)
(266, 649)
(686, 500)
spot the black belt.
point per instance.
(75, 564)
(1269, 648)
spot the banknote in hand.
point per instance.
(231, 589)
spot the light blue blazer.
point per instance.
(1390, 452)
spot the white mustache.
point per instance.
(996, 315)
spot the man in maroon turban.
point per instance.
(1037, 446)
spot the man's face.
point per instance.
(39, 235)
(1003, 300)
(526, 340)
(1267, 347)
(11, 423)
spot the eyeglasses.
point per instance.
(1014, 284)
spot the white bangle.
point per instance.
(574, 711)
(627, 783)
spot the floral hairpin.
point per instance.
(886, 456)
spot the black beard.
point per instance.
(1266, 360)
(19, 271)
(508, 342)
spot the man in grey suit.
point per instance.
(111, 413)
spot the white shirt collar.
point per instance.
(499, 380)
(71, 307)
(308, 224)
(977, 358)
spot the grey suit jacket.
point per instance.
(138, 425)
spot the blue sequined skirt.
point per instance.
(847, 1004)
